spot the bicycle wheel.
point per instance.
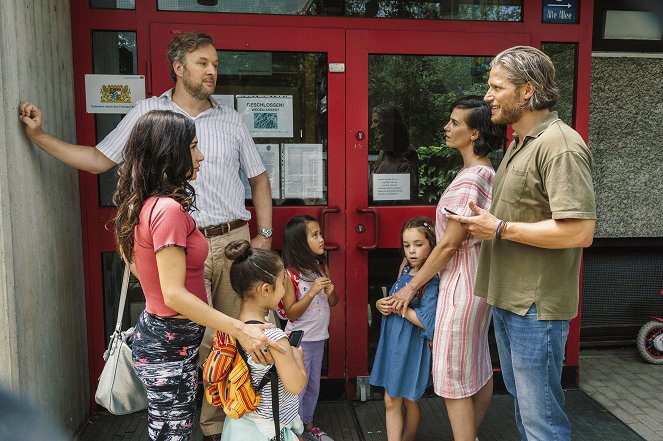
(645, 342)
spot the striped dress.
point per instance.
(461, 358)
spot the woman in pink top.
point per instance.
(154, 231)
(462, 371)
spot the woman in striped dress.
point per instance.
(462, 370)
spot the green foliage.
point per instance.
(423, 88)
(564, 56)
(438, 166)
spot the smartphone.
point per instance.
(449, 211)
(295, 338)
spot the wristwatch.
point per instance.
(267, 232)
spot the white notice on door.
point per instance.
(269, 154)
(391, 187)
(302, 171)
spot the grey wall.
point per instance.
(43, 345)
(626, 139)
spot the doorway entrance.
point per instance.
(307, 88)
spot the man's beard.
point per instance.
(509, 113)
(195, 90)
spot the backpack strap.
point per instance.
(270, 375)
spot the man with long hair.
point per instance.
(543, 214)
(224, 139)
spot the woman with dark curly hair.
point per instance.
(154, 230)
(462, 370)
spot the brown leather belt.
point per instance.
(218, 230)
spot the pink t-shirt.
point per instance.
(162, 223)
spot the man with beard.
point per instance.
(228, 147)
(543, 213)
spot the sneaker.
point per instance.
(316, 434)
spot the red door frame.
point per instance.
(145, 17)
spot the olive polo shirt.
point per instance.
(548, 177)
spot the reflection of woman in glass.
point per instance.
(393, 141)
(384, 112)
(462, 370)
(387, 112)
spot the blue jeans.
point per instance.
(531, 355)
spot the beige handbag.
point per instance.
(120, 390)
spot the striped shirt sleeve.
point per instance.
(112, 146)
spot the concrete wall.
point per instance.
(43, 355)
(626, 139)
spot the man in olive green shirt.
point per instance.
(542, 215)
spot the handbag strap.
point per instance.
(112, 344)
(123, 297)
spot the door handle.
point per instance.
(374, 212)
(323, 214)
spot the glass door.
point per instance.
(279, 80)
(400, 85)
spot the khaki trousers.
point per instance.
(221, 296)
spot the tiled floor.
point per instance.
(356, 421)
(621, 398)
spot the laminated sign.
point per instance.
(266, 116)
(113, 93)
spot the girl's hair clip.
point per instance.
(427, 225)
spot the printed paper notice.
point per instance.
(269, 154)
(266, 116)
(391, 187)
(113, 93)
(303, 170)
(225, 100)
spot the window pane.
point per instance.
(422, 103)
(113, 4)
(283, 99)
(113, 53)
(632, 25)
(484, 10)
(564, 56)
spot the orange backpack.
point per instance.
(227, 379)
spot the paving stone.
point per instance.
(650, 422)
(653, 380)
(640, 392)
(608, 392)
(624, 416)
(645, 432)
(656, 414)
(630, 407)
(626, 386)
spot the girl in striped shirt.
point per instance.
(258, 276)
